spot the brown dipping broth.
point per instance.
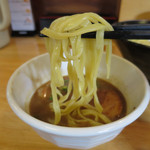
(111, 99)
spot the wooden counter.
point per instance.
(16, 135)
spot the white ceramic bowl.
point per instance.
(127, 77)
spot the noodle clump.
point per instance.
(64, 44)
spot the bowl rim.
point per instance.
(77, 131)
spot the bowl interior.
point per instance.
(127, 78)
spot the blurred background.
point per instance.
(26, 14)
(28, 17)
(25, 18)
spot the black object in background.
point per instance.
(138, 54)
(52, 9)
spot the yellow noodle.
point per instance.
(83, 57)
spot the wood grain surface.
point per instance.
(16, 135)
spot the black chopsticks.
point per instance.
(141, 26)
(132, 31)
(121, 34)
